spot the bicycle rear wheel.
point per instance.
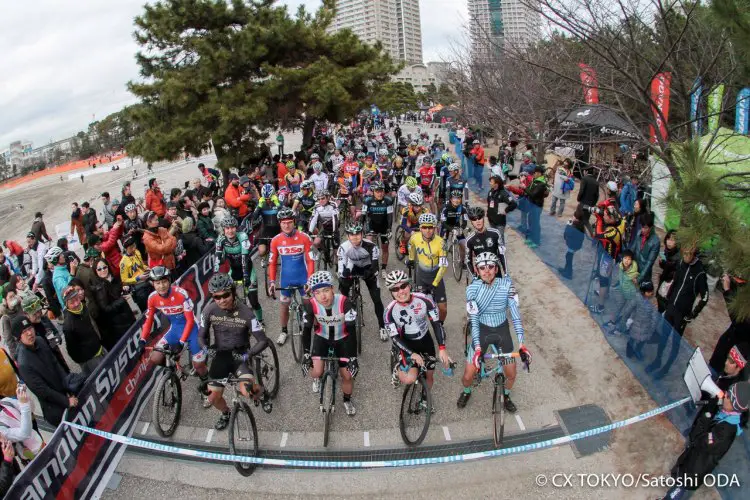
(167, 406)
(269, 370)
(264, 264)
(397, 237)
(243, 436)
(359, 321)
(327, 403)
(295, 330)
(498, 410)
(458, 266)
(467, 335)
(416, 412)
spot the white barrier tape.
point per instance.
(327, 464)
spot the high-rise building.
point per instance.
(394, 23)
(497, 25)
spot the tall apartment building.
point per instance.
(395, 23)
(496, 25)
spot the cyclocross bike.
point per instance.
(295, 320)
(355, 296)
(416, 409)
(167, 405)
(328, 256)
(328, 389)
(453, 247)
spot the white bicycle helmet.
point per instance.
(416, 199)
(317, 167)
(486, 258)
(395, 277)
(427, 219)
(320, 279)
(52, 255)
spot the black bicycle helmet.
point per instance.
(220, 282)
(158, 273)
(476, 213)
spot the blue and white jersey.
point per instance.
(488, 305)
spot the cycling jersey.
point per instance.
(327, 215)
(178, 308)
(489, 240)
(345, 184)
(333, 323)
(268, 210)
(429, 256)
(375, 176)
(487, 305)
(320, 180)
(359, 260)
(306, 204)
(426, 175)
(378, 214)
(237, 251)
(452, 184)
(410, 219)
(403, 194)
(292, 251)
(231, 329)
(408, 321)
(351, 168)
(294, 181)
(452, 217)
(610, 236)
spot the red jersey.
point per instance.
(177, 306)
(426, 175)
(293, 252)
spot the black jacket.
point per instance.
(588, 193)
(45, 377)
(538, 191)
(115, 314)
(689, 282)
(669, 265)
(81, 338)
(89, 222)
(194, 246)
(7, 475)
(495, 198)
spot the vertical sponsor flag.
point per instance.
(714, 107)
(660, 105)
(695, 102)
(743, 111)
(590, 84)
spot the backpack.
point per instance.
(568, 185)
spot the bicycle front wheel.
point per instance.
(264, 264)
(416, 411)
(167, 407)
(327, 403)
(295, 330)
(360, 312)
(243, 436)
(397, 237)
(458, 266)
(269, 370)
(498, 410)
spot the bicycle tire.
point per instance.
(169, 381)
(398, 236)
(270, 370)
(393, 359)
(327, 402)
(498, 414)
(416, 401)
(467, 336)
(458, 268)
(240, 409)
(296, 332)
(359, 322)
(264, 264)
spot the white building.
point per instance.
(394, 23)
(419, 75)
(496, 25)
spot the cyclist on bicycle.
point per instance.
(452, 217)
(292, 250)
(369, 174)
(377, 213)
(234, 246)
(454, 181)
(174, 303)
(319, 178)
(427, 254)
(484, 239)
(410, 218)
(410, 186)
(303, 205)
(358, 258)
(267, 210)
(406, 320)
(411, 157)
(345, 189)
(397, 175)
(384, 166)
(426, 178)
(232, 323)
(326, 217)
(332, 317)
(294, 177)
(487, 302)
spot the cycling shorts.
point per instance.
(425, 347)
(383, 234)
(224, 365)
(344, 348)
(499, 336)
(172, 338)
(438, 292)
(286, 295)
(606, 265)
(267, 233)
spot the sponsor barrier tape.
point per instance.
(328, 464)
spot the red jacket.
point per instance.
(478, 152)
(14, 248)
(111, 250)
(160, 247)
(237, 198)
(155, 202)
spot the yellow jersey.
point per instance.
(430, 256)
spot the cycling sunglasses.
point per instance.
(398, 288)
(486, 267)
(222, 296)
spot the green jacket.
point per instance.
(206, 228)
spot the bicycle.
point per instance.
(295, 321)
(398, 236)
(355, 296)
(328, 389)
(416, 404)
(498, 392)
(167, 406)
(328, 253)
(453, 247)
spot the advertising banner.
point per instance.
(660, 105)
(590, 84)
(714, 107)
(743, 111)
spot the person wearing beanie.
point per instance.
(206, 229)
(39, 229)
(711, 436)
(82, 336)
(193, 244)
(155, 199)
(42, 373)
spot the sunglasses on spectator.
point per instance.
(486, 267)
(398, 288)
(222, 296)
(102, 268)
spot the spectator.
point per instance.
(39, 229)
(573, 236)
(628, 195)
(76, 224)
(43, 374)
(37, 251)
(126, 199)
(53, 302)
(610, 196)
(633, 222)
(82, 337)
(668, 261)
(89, 219)
(640, 320)
(86, 274)
(15, 254)
(172, 213)
(9, 310)
(734, 369)
(8, 376)
(220, 213)
(738, 331)
(646, 247)
(609, 231)
(107, 244)
(45, 330)
(109, 210)
(536, 193)
(17, 424)
(626, 284)
(528, 164)
(236, 198)
(690, 283)
(499, 204)
(186, 208)
(134, 273)
(206, 230)
(62, 273)
(160, 242)
(588, 195)
(478, 156)
(7, 469)
(69, 254)
(280, 142)
(155, 199)
(194, 246)
(116, 316)
(563, 186)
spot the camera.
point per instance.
(592, 210)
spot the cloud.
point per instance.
(67, 62)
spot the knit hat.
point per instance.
(151, 182)
(203, 205)
(739, 354)
(19, 325)
(69, 293)
(128, 241)
(93, 239)
(739, 395)
(91, 252)
(31, 303)
(187, 224)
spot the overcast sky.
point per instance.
(64, 63)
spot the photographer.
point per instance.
(609, 230)
(738, 331)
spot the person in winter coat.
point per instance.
(89, 219)
(39, 229)
(236, 197)
(45, 330)
(126, 199)
(628, 195)
(76, 224)
(116, 316)
(9, 309)
(735, 367)
(668, 261)
(155, 199)
(713, 432)
(82, 336)
(193, 244)
(108, 210)
(563, 186)
(536, 193)
(573, 235)
(738, 331)
(499, 203)
(639, 319)
(134, 274)
(7, 468)
(15, 253)
(160, 242)
(588, 195)
(220, 212)
(478, 156)
(646, 247)
(106, 243)
(206, 230)
(633, 222)
(689, 284)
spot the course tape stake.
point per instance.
(327, 464)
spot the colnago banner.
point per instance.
(660, 105)
(695, 102)
(714, 107)
(590, 84)
(75, 464)
(742, 113)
